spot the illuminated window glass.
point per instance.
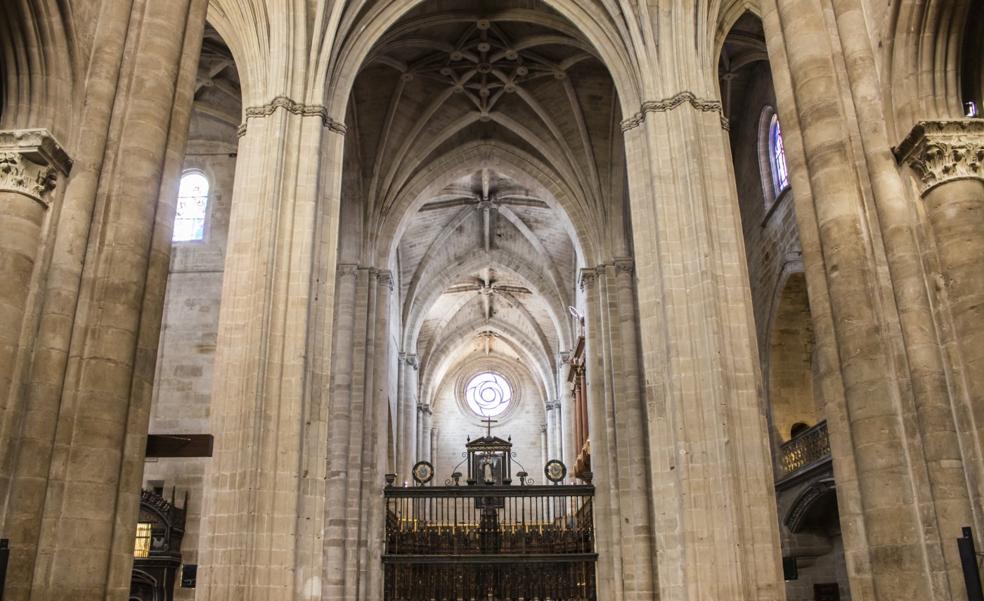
(141, 547)
(189, 222)
(488, 394)
(777, 155)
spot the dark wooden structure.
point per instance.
(179, 445)
(491, 537)
(157, 552)
(577, 379)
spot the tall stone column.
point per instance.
(374, 450)
(346, 419)
(86, 404)
(618, 439)
(947, 158)
(433, 443)
(892, 428)
(357, 437)
(419, 434)
(553, 430)
(567, 409)
(544, 452)
(267, 527)
(706, 433)
(424, 415)
(31, 162)
(407, 416)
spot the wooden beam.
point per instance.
(179, 445)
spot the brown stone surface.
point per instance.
(403, 192)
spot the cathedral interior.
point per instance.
(498, 300)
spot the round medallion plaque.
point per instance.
(423, 472)
(555, 470)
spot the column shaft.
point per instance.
(80, 455)
(407, 443)
(902, 541)
(266, 481)
(956, 211)
(31, 162)
(607, 516)
(344, 421)
(707, 438)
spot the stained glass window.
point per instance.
(189, 223)
(777, 155)
(488, 394)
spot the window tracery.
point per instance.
(488, 394)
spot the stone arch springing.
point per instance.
(926, 59)
(37, 56)
(972, 62)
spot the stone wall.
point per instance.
(523, 422)
(768, 224)
(183, 386)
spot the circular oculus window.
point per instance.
(488, 394)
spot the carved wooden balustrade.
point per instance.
(805, 449)
(490, 542)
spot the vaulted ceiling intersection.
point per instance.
(490, 248)
(485, 63)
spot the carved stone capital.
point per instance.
(385, 278)
(551, 406)
(424, 409)
(293, 107)
(410, 359)
(586, 278)
(624, 265)
(30, 162)
(943, 151)
(344, 270)
(668, 104)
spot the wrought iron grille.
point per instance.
(807, 448)
(490, 542)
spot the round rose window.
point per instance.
(488, 394)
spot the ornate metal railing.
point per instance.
(807, 448)
(470, 542)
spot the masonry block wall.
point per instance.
(183, 386)
(523, 422)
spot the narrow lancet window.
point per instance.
(777, 154)
(189, 222)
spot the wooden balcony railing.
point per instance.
(807, 448)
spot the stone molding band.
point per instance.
(668, 104)
(293, 107)
(30, 162)
(587, 275)
(384, 277)
(943, 151)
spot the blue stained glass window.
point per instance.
(777, 155)
(189, 222)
